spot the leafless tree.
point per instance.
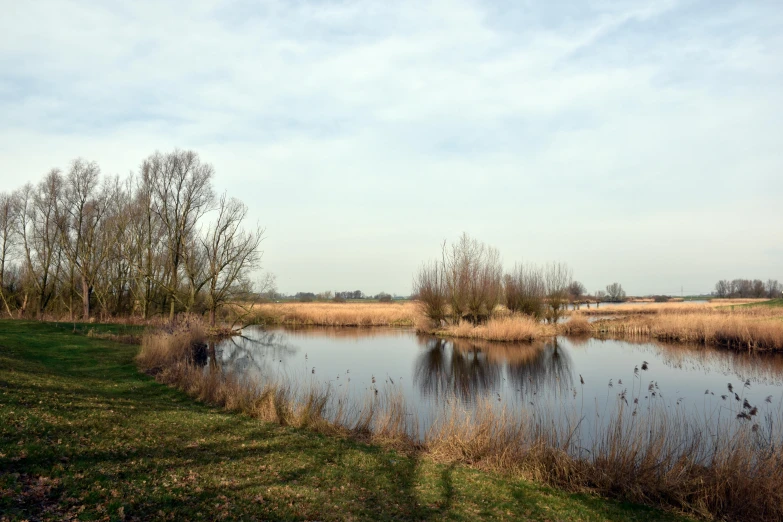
(576, 290)
(7, 224)
(429, 285)
(525, 290)
(557, 278)
(473, 274)
(615, 292)
(40, 231)
(181, 195)
(230, 252)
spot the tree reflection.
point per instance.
(470, 369)
(548, 371)
(259, 351)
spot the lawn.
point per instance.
(84, 435)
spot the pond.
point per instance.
(564, 379)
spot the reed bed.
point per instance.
(681, 307)
(732, 470)
(738, 330)
(515, 328)
(335, 314)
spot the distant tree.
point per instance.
(758, 288)
(773, 288)
(615, 292)
(305, 297)
(600, 295)
(383, 297)
(723, 288)
(576, 290)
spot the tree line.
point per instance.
(747, 288)
(157, 242)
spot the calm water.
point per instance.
(588, 376)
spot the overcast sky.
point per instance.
(638, 143)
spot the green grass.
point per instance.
(83, 434)
(771, 303)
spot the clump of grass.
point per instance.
(515, 328)
(577, 324)
(165, 348)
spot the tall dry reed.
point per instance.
(336, 314)
(740, 331)
(515, 328)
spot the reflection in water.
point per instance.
(258, 352)
(550, 370)
(471, 369)
(570, 381)
(761, 368)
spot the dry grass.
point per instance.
(657, 457)
(577, 324)
(163, 348)
(679, 307)
(738, 330)
(515, 328)
(661, 456)
(336, 314)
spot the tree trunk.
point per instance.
(85, 299)
(212, 316)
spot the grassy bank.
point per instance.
(84, 435)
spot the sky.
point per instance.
(638, 142)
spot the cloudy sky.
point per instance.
(639, 143)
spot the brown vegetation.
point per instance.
(335, 314)
(738, 330)
(650, 454)
(515, 328)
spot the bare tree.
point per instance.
(557, 277)
(525, 290)
(774, 289)
(576, 290)
(230, 253)
(473, 274)
(181, 195)
(40, 231)
(615, 292)
(429, 286)
(7, 224)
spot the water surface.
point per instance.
(564, 377)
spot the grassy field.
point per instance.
(84, 435)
